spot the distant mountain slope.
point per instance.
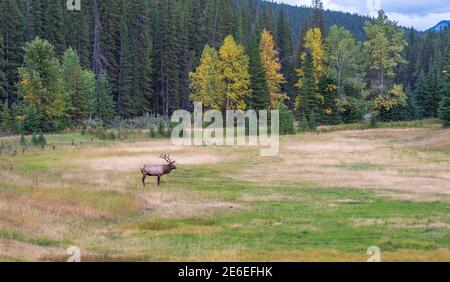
(440, 26)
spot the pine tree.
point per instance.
(41, 141)
(5, 117)
(166, 67)
(78, 33)
(267, 19)
(104, 103)
(80, 84)
(272, 67)
(229, 24)
(11, 30)
(31, 122)
(259, 99)
(125, 97)
(317, 17)
(434, 86)
(286, 55)
(286, 120)
(2, 72)
(444, 105)
(421, 95)
(54, 29)
(307, 102)
(246, 26)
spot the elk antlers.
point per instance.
(167, 159)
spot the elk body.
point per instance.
(158, 170)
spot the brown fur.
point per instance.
(158, 170)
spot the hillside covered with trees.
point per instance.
(118, 59)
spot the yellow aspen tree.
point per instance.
(314, 43)
(272, 69)
(207, 81)
(234, 65)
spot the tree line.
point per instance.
(123, 59)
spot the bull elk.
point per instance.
(158, 170)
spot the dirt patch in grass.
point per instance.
(25, 251)
(185, 204)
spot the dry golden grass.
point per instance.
(87, 194)
(395, 160)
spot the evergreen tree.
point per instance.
(260, 99)
(11, 30)
(31, 115)
(434, 87)
(444, 105)
(78, 33)
(267, 19)
(125, 96)
(2, 72)
(307, 102)
(54, 29)
(229, 24)
(166, 67)
(286, 120)
(317, 17)
(80, 84)
(5, 118)
(286, 54)
(104, 103)
(444, 109)
(421, 95)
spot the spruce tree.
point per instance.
(54, 29)
(80, 84)
(317, 17)
(78, 33)
(104, 103)
(267, 19)
(421, 94)
(434, 86)
(165, 55)
(286, 54)
(5, 118)
(306, 103)
(11, 30)
(125, 99)
(2, 72)
(444, 105)
(259, 99)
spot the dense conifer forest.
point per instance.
(117, 59)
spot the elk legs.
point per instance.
(143, 179)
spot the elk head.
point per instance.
(169, 161)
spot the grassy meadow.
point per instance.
(328, 196)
